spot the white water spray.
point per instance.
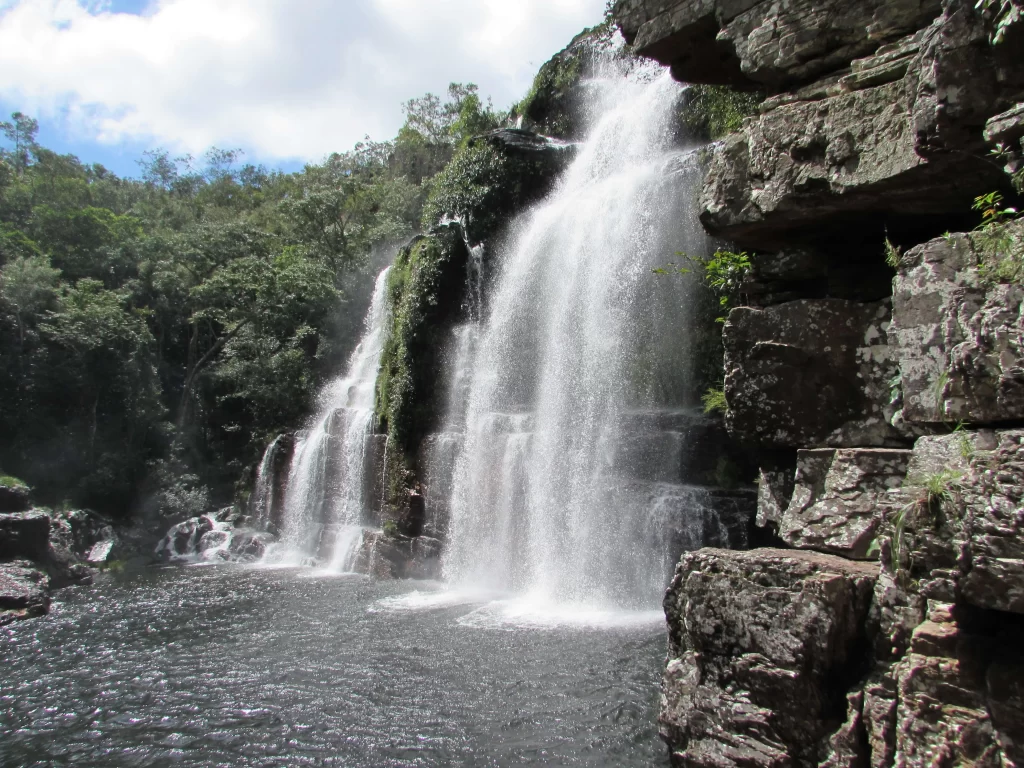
(324, 505)
(569, 349)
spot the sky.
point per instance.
(286, 81)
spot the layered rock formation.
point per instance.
(884, 409)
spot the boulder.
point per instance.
(249, 546)
(25, 535)
(183, 539)
(760, 644)
(840, 499)
(762, 42)
(14, 498)
(809, 373)
(957, 333)
(24, 591)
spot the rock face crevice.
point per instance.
(884, 410)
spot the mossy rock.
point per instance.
(711, 112)
(554, 104)
(425, 291)
(493, 177)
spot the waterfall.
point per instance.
(324, 505)
(262, 505)
(577, 339)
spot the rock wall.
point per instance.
(42, 550)
(884, 408)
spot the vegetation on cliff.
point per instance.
(155, 331)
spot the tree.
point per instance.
(21, 131)
(29, 286)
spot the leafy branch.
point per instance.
(724, 272)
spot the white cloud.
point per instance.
(281, 78)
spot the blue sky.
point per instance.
(287, 81)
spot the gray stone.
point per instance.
(24, 591)
(765, 42)
(755, 640)
(809, 373)
(25, 535)
(15, 498)
(840, 499)
(993, 499)
(901, 133)
(958, 338)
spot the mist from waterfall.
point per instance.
(572, 347)
(324, 503)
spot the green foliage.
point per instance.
(552, 104)
(453, 121)
(12, 482)
(390, 529)
(153, 331)
(1000, 249)
(710, 112)
(724, 273)
(714, 401)
(470, 182)
(993, 209)
(929, 493)
(1005, 13)
(418, 295)
(892, 254)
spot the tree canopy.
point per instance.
(155, 331)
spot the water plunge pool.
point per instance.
(229, 665)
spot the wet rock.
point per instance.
(760, 42)
(957, 336)
(840, 499)
(809, 373)
(249, 546)
(15, 498)
(757, 641)
(182, 540)
(425, 561)
(25, 535)
(24, 591)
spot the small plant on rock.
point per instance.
(714, 401)
(1005, 12)
(724, 273)
(893, 254)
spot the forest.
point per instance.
(156, 331)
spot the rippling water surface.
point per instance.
(231, 666)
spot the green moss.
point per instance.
(484, 186)
(710, 112)
(12, 482)
(550, 105)
(424, 296)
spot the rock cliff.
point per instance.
(876, 372)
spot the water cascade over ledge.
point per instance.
(568, 366)
(325, 501)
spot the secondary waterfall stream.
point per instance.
(325, 504)
(566, 360)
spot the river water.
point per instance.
(234, 666)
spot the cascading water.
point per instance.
(325, 505)
(262, 504)
(570, 350)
